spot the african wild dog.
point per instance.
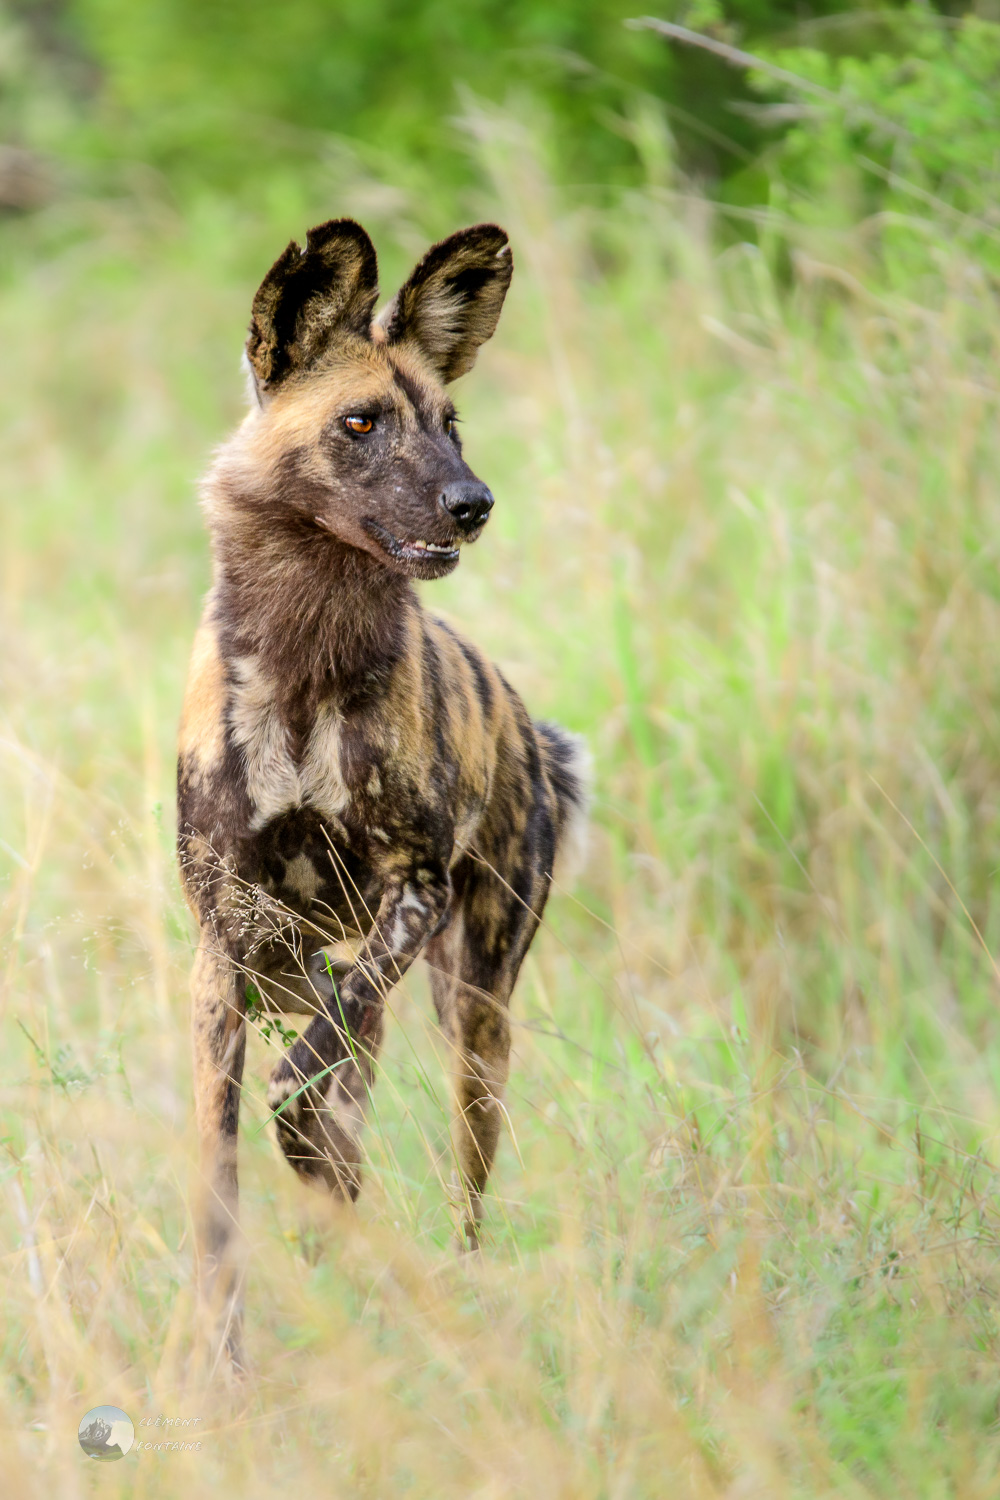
(357, 784)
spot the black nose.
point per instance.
(468, 503)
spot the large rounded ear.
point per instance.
(310, 298)
(451, 303)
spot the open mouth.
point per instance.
(419, 551)
(432, 547)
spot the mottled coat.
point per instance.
(357, 784)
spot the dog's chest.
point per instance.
(279, 776)
(303, 859)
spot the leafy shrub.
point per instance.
(907, 138)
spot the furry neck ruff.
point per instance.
(316, 614)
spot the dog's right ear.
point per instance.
(452, 301)
(309, 299)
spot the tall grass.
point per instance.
(743, 1237)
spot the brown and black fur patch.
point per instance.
(357, 785)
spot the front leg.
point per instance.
(218, 1033)
(319, 1089)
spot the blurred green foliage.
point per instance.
(222, 93)
(885, 115)
(910, 133)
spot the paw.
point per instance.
(318, 1126)
(293, 1105)
(302, 1076)
(467, 1212)
(286, 1109)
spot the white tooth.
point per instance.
(432, 547)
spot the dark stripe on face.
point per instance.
(418, 399)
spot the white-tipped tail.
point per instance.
(571, 771)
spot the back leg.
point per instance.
(498, 897)
(474, 962)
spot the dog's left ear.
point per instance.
(310, 299)
(452, 301)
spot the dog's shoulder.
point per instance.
(471, 688)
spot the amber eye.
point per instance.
(359, 424)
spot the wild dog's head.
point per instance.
(353, 428)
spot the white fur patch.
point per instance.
(254, 397)
(396, 938)
(300, 877)
(274, 784)
(400, 936)
(412, 899)
(272, 781)
(321, 776)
